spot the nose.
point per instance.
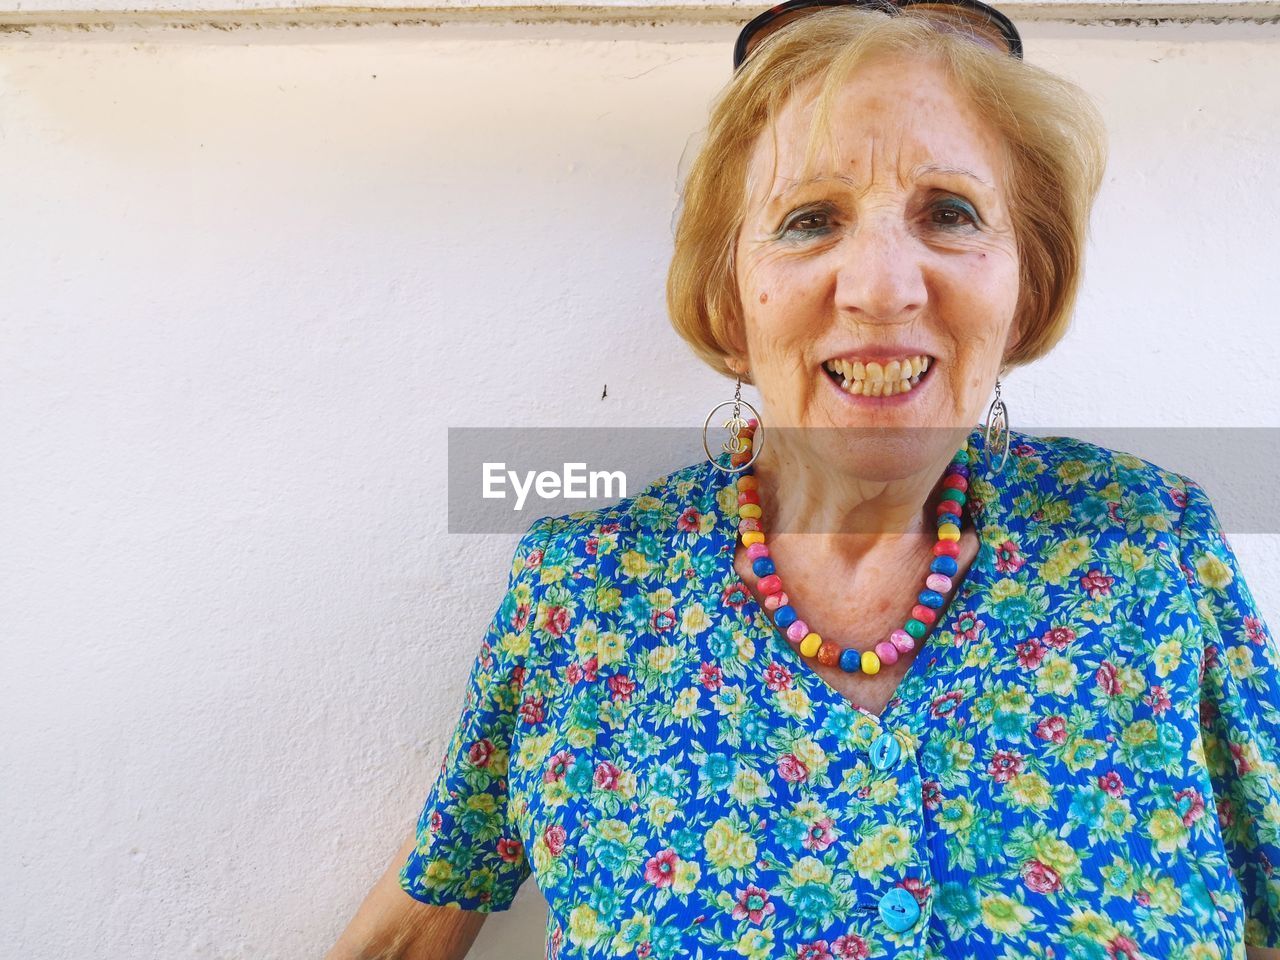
(880, 277)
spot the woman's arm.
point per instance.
(391, 925)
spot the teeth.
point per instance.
(876, 380)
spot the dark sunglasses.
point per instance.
(970, 18)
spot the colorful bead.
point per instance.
(949, 508)
(939, 582)
(749, 510)
(926, 615)
(797, 631)
(956, 482)
(810, 644)
(948, 531)
(770, 584)
(904, 641)
(828, 653)
(946, 548)
(870, 662)
(962, 456)
(762, 567)
(946, 566)
(747, 482)
(931, 598)
(757, 550)
(850, 660)
(916, 628)
(956, 495)
(785, 615)
(776, 600)
(748, 496)
(747, 524)
(887, 652)
(754, 537)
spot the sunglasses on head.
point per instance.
(970, 18)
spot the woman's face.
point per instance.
(901, 249)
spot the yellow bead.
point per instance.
(752, 536)
(870, 662)
(948, 531)
(751, 510)
(810, 644)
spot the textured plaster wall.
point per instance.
(252, 277)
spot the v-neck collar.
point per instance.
(984, 514)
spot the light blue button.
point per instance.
(886, 752)
(899, 910)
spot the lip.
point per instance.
(881, 354)
(898, 399)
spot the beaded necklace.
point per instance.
(924, 615)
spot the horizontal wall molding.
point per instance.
(91, 14)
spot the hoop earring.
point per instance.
(736, 426)
(997, 425)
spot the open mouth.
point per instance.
(874, 379)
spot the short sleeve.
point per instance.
(1239, 714)
(468, 852)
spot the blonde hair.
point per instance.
(1055, 151)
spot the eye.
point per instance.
(809, 222)
(954, 212)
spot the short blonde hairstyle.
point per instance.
(1056, 154)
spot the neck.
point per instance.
(845, 518)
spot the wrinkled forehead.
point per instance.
(884, 126)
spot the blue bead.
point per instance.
(762, 566)
(931, 598)
(850, 660)
(785, 616)
(899, 909)
(946, 566)
(948, 518)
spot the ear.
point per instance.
(737, 365)
(1012, 340)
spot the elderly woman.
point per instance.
(906, 687)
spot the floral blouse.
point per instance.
(1080, 763)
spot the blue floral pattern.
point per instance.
(1080, 763)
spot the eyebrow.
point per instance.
(916, 172)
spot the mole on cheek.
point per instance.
(764, 298)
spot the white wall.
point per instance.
(250, 279)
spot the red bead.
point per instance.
(946, 548)
(949, 506)
(925, 615)
(956, 482)
(738, 459)
(748, 496)
(770, 584)
(829, 653)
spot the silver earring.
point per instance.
(736, 427)
(997, 427)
